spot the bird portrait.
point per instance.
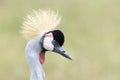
(39, 28)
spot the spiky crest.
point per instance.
(39, 22)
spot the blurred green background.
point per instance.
(92, 30)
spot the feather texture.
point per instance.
(39, 22)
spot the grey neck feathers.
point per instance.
(33, 49)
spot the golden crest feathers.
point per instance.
(39, 22)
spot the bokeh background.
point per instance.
(92, 30)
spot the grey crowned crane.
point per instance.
(39, 28)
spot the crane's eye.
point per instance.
(56, 44)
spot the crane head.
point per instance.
(53, 41)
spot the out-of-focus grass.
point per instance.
(91, 27)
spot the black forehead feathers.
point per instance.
(58, 36)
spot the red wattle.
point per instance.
(42, 57)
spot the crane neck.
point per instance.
(32, 52)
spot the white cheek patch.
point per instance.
(47, 43)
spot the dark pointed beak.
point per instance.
(60, 50)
